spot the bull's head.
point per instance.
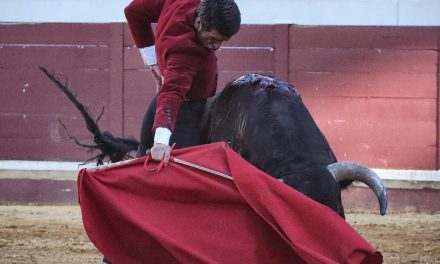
(266, 122)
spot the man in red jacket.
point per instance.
(181, 57)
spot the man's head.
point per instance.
(217, 21)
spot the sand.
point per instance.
(54, 234)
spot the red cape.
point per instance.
(183, 215)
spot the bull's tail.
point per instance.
(112, 148)
(91, 124)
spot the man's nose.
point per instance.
(216, 45)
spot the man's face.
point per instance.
(210, 39)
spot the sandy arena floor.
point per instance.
(54, 234)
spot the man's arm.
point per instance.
(180, 73)
(140, 15)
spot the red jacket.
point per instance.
(189, 69)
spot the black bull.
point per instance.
(266, 122)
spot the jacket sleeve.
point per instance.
(178, 78)
(140, 15)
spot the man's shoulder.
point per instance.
(175, 32)
(178, 7)
(176, 17)
(180, 3)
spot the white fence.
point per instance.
(302, 12)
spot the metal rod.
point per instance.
(176, 160)
(203, 168)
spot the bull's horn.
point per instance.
(357, 172)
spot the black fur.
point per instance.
(266, 122)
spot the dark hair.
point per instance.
(221, 15)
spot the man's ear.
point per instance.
(198, 23)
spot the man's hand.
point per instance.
(157, 75)
(161, 152)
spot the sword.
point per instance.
(199, 167)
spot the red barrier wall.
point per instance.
(372, 90)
